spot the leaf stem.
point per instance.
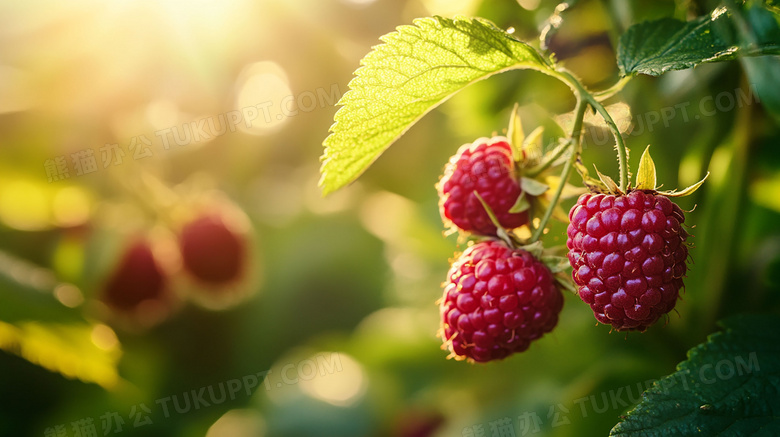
(614, 89)
(574, 137)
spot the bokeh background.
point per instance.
(122, 121)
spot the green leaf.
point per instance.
(87, 352)
(645, 176)
(37, 327)
(417, 68)
(729, 386)
(655, 47)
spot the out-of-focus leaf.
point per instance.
(26, 293)
(766, 192)
(417, 68)
(655, 47)
(86, 352)
(37, 327)
(730, 385)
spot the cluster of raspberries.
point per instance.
(627, 251)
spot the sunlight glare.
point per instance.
(345, 385)
(264, 98)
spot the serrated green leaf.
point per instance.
(654, 47)
(515, 134)
(645, 176)
(729, 386)
(533, 187)
(521, 204)
(417, 68)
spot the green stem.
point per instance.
(614, 89)
(548, 160)
(576, 133)
(580, 90)
(619, 144)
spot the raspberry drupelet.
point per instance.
(628, 254)
(497, 300)
(485, 166)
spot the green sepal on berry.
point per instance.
(515, 135)
(554, 258)
(645, 180)
(628, 250)
(531, 165)
(645, 175)
(527, 150)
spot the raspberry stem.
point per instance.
(619, 144)
(548, 160)
(574, 138)
(594, 101)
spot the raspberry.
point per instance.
(137, 278)
(211, 251)
(487, 167)
(496, 301)
(629, 255)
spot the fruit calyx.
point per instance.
(645, 180)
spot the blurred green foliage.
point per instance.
(356, 273)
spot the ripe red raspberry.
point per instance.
(496, 302)
(211, 251)
(629, 255)
(487, 167)
(138, 277)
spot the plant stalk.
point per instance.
(582, 93)
(548, 161)
(574, 137)
(611, 91)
